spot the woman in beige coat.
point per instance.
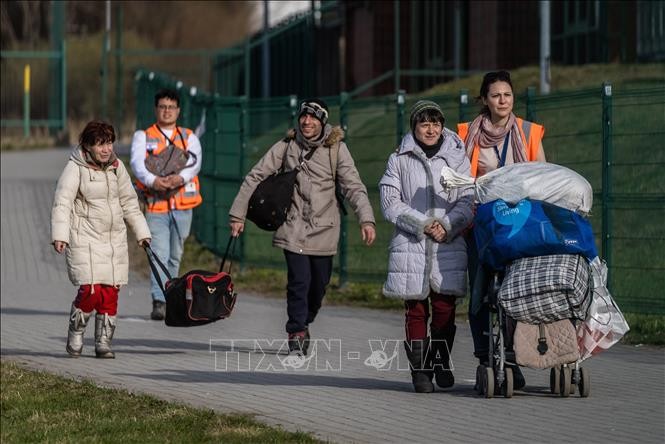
(93, 199)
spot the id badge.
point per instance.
(190, 188)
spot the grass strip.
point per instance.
(41, 407)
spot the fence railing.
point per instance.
(616, 139)
(34, 85)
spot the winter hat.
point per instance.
(420, 107)
(316, 108)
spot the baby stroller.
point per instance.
(496, 378)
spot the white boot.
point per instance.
(104, 329)
(78, 320)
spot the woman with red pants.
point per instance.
(427, 264)
(93, 199)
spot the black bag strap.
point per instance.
(152, 259)
(232, 241)
(542, 340)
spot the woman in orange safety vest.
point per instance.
(493, 139)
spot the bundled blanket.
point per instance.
(546, 182)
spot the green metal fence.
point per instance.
(34, 82)
(613, 138)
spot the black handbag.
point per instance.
(198, 297)
(270, 202)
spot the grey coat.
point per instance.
(312, 224)
(412, 198)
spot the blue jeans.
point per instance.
(169, 231)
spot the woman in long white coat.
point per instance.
(427, 265)
(93, 199)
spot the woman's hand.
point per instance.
(436, 231)
(59, 246)
(143, 243)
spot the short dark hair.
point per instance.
(488, 79)
(95, 133)
(167, 94)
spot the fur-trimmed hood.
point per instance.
(313, 220)
(336, 135)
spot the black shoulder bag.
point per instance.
(272, 198)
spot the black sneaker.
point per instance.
(518, 377)
(305, 345)
(297, 342)
(158, 311)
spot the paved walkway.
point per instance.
(338, 395)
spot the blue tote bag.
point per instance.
(505, 232)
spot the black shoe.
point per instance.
(158, 311)
(442, 345)
(484, 361)
(421, 365)
(305, 344)
(422, 381)
(297, 342)
(518, 378)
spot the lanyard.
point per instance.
(172, 141)
(504, 151)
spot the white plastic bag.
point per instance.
(605, 325)
(547, 182)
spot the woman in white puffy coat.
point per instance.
(427, 265)
(93, 200)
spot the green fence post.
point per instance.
(463, 104)
(26, 101)
(607, 180)
(106, 46)
(248, 61)
(63, 85)
(293, 105)
(343, 232)
(397, 45)
(244, 137)
(119, 78)
(399, 125)
(530, 104)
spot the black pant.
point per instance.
(308, 277)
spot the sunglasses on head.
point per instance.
(314, 109)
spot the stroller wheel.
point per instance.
(564, 382)
(488, 381)
(584, 385)
(507, 387)
(555, 375)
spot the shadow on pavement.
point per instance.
(32, 312)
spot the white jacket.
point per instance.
(412, 198)
(89, 212)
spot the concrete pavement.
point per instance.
(343, 394)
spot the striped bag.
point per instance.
(547, 288)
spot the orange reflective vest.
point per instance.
(532, 134)
(189, 195)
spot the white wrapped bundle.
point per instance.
(547, 182)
